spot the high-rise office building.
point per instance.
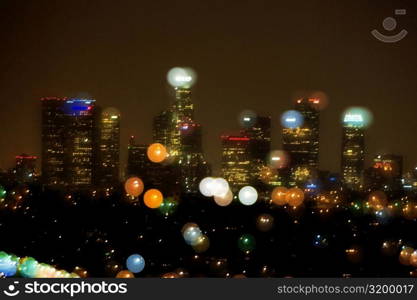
(192, 165)
(138, 163)
(162, 125)
(108, 169)
(53, 137)
(259, 134)
(302, 143)
(236, 161)
(353, 150)
(68, 139)
(81, 141)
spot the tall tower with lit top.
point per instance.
(177, 130)
(353, 149)
(182, 110)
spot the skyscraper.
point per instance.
(192, 165)
(81, 141)
(236, 161)
(302, 143)
(177, 130)
(259, 148)
(353, 150)
(108, 170)
(138, 163)
(162, 125)
(53, 137)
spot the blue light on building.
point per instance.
(78, 107)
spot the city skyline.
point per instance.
(229, 82)
(81, 149)
(299, 105)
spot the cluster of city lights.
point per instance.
(408, 257)
(282, 196)
(28, 267)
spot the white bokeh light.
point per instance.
(248, 195)
(179, 77)
(220, 187)
(206, 186)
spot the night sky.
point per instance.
(248, 55)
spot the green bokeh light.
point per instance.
(246, 243)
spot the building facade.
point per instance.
(182, 112)
(108, 170)
(81, 141)
(53, 138)
(137, 159)
(236, 161)
(259, 148)
(192, 165)
(162, 128)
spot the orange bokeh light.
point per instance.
(153, 198)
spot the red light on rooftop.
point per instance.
(26, 157)
(238, 139)
(54, 98)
